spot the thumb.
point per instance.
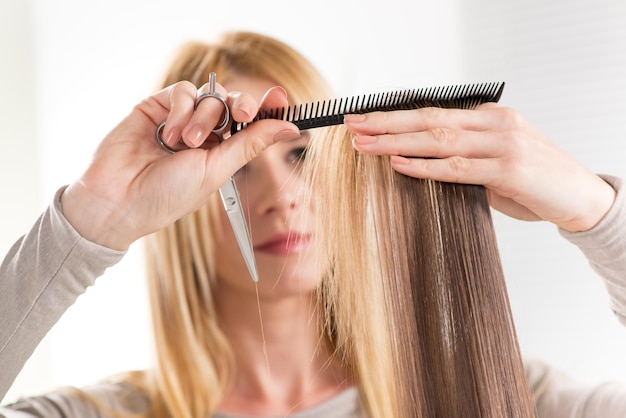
(242, 147)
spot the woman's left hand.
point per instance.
(525, 174)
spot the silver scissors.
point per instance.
(228, 191)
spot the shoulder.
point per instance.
(95, 401)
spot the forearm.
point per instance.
(40, 277)
(605, 247)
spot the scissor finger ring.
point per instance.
(218, 130)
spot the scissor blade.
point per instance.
(232, 204)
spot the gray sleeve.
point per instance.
(556, 395)
(101, 400)
(605, 247)
(40, 277)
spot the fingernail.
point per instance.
(247, 112)
(287, 134)
(364, 139)
(354, 118)
(198, 137)
(172, 137)
(282, 90)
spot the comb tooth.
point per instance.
(408, 97)
(317, 109)
(428, 97)
(445, 95)
(356, 108)
(400, 99)
(351, 105)
(391, 99)
(415, 98)
(387, 99)
(450, 94)
(369, 101)
(498, 94)
(473, 95)
(376, 102)
(289, 114)
(405, 100)
(476, 94)
(363, 98)
(342, 107)
(381, 100)
(359, 103)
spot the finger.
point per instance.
(243, 107)
(178, 99)
(246, 144)
(487, 172)
(438, 143)
(274, 98)
(209, 113)
(415, 120)
(511, 207)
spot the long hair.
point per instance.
(415, 294)
(194, 365)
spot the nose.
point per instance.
(277, 187)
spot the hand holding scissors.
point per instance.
(132, 187)
(228, 191)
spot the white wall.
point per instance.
(89, 63)
(565, 64)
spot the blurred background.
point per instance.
(71, 70)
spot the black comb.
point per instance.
(331, 112)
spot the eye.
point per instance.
(296, 155)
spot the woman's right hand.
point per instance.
(134, 187)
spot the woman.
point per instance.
(222, 348)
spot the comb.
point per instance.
(331, 112)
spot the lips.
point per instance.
(285, 244)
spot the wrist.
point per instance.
(95, 218)
(599, 204)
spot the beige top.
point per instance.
(44, 273)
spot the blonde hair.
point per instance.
(194, 364)
(415, 297)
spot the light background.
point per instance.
(72, 69)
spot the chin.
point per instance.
(290, 279)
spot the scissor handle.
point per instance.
(218, 130)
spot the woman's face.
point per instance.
(280, 221)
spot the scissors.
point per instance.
(228, 191)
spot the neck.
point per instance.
(283, 361)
